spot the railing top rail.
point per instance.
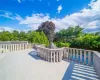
(13, 42)
(97, 53)
(49, 49)
(79, 49)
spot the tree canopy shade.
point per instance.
(48, 28)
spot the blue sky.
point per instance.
(29, 14)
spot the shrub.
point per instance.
(62, 44)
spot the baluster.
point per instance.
(57, 56)
(45, 54)
(81, 56)
(23, 46)
(92, 58)
(5, 47)
(14, 47)
(48, 56)
(20, 46)
(60, 55)
(70, 53)
(73, 54)
(53, 56)
(11, 47)
(84, 57)
(77, 56)
(67, 53)
(89, 58)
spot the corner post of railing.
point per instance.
(96, 62)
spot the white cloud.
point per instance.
(88, 18)
(6, 14)
(10, 15)
(59, 8)
(3, 28)
(35, 18)
(19, 1)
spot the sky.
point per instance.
(24, 15)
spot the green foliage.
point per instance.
(61, 44)
(71, 37)
(78, 39)
(68, 34)
(30, 36)
(88, 41)
(5, 36)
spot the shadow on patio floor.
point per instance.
(34, 55)
(77, 71)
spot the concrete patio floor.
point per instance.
(26, 65)
(23, 65)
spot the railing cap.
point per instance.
(97, 53)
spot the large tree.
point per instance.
(69, 34)
(48, 28)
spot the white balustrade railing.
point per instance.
(87, 57)
(51, 55)
(79, 55)
(56, 55)
(14, 47)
